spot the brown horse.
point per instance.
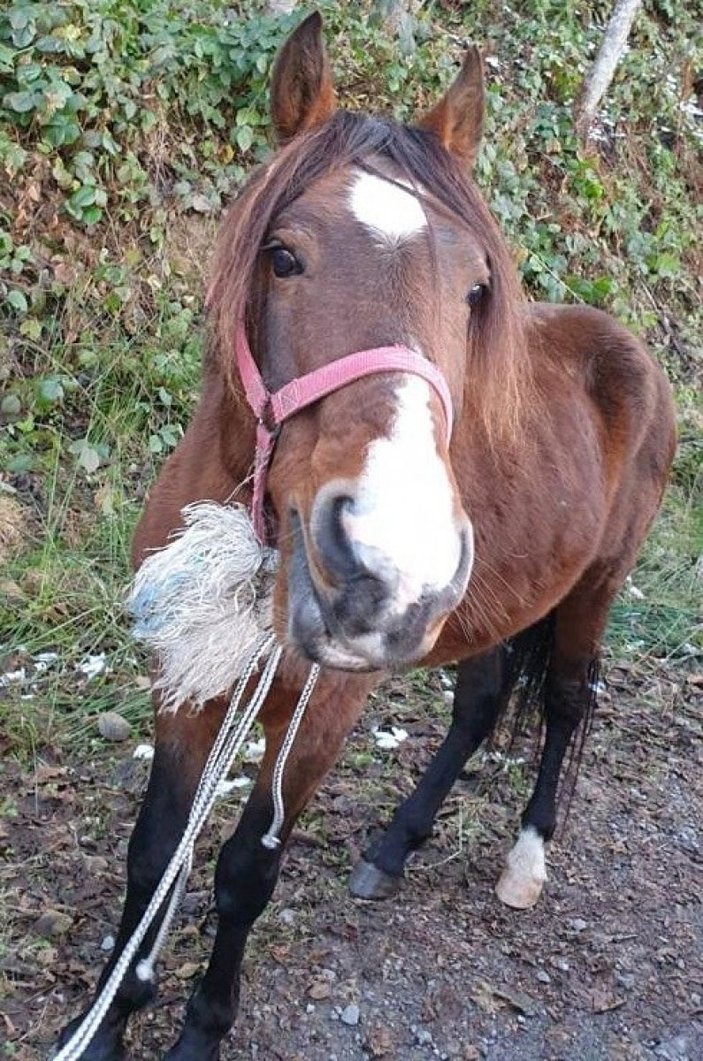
(502, 550)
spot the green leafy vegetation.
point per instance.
(124, 126)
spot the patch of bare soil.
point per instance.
(608, 966)
(14, 527)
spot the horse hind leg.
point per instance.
(568, 698)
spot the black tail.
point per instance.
(528, 657)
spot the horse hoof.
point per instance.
(518, 892)
(369, 882)
(522, 880)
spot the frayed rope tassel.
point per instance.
(203, 603)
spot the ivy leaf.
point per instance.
(17, 300)
(10, 407)
(244, 137)
(19, 17)
(20, 102)
(31, 328)
(82, 197)
(89, 459)
(51, 389)
(88, 456)
(21, 462)
(92, 214)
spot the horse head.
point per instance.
(359, 234)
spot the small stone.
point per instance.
(52, 924)
(194, 901)
(423, 1037)
(379, 1041)
(95, 864)
(350, 1014)
(578, 924)
(625, 980)
(519, 1000)
(113, 727)
(108, 943)
(544, 977)
(674, 1049)
(320, 989)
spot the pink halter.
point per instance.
(271, 410)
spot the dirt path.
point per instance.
(609, 965)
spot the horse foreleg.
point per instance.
(182, 744)
(246, 870)
(480, 691)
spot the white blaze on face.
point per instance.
(386, 209)
(402, 524)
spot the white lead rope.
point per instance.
(227, 745)
(271, 839)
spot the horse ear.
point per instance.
(458, 117)
(302, 93)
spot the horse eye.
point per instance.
(284, 263)
(476, 294)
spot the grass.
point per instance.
(101, 325)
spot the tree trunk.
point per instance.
(598, 78)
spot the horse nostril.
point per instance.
(331, 540)
(360, 595)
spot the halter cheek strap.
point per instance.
(272, 409)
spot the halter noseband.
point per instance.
(272, 409)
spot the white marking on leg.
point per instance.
(402, 523)
(523, 878)
(386, 209)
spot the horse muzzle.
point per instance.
(352, 611)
